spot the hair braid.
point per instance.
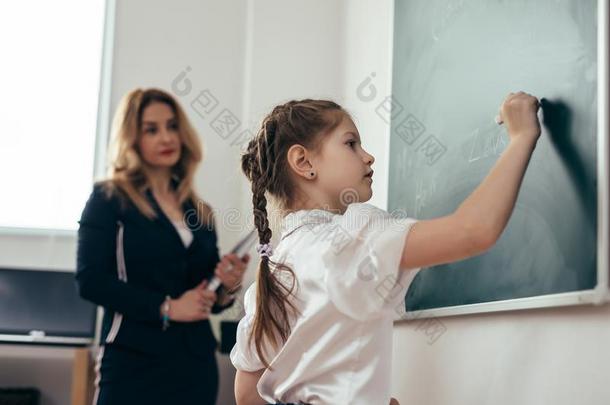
(265, 164)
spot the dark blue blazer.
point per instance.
(128, 263)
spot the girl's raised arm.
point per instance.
(479, 221)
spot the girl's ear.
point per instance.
(299, 160)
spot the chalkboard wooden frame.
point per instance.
(601, 293)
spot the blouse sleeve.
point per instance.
(362, 262)
(243, 356)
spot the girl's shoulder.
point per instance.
(365, 209)
(359, 217)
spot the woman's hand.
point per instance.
(193, 305)
(519, 113)
(230, 270)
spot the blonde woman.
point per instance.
(147, 246)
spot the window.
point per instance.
(49, 92)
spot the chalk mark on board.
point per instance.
(452, 10)
(484, 144)
(423, 191)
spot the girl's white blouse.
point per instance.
(349, 289)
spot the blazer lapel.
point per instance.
(167, 223)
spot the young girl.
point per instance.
(318, 320)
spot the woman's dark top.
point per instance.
(128, 263)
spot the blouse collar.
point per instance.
(297, 219)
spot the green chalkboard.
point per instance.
(453, 64)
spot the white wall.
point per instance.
(293, 52)
(367, 81)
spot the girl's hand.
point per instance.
(519, 113)
(230, 270)
(193, 305)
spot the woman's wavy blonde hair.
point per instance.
(126, 176)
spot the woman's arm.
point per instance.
(223, 301)
(230, 270)
(96, 266)
(480, 220)
(245, 387)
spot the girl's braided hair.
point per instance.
(264, 163)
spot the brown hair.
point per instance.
(265, 164)
(126, 176)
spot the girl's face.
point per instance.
(159, 142)
(343, 167)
